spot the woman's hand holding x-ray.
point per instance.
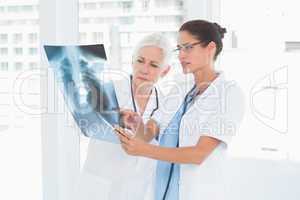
(134, 122)
(132, 145)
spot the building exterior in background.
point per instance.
(19, 35)
(19, 52)
(118, 24)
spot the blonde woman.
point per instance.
(109, 173)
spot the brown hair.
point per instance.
(206, 32)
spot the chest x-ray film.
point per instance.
(91, 101)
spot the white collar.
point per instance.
(124, 96)
(214, 87)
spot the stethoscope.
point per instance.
(177, 145)
(133, 100)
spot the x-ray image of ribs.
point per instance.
(92, 101)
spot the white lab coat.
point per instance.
(216, 113)
(109, 173)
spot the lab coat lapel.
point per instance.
(151, 105)
(123, 93)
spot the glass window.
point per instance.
(27, 8)
(168, 20)
(129, 24)
(32, 51)
(13, 8)
(18, 66)
(2, 9)
(33, 65)
(145, 4)
(3, 51)
(3, 38)
(127, 6)
(127, 20)
(97, 37)
(4, 66)
(32, 37)
(18, 51)
(179, 4)
(106, 5)
(162, 4)
(17, 38)
(90, 6)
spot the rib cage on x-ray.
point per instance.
(91, 101)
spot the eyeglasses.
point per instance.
(186, 48)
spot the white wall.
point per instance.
(20, 142)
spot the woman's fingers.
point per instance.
(126, 116)
(126, 113)
(124, 137)
(128, 141)
(123, 132)
(130, 119)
